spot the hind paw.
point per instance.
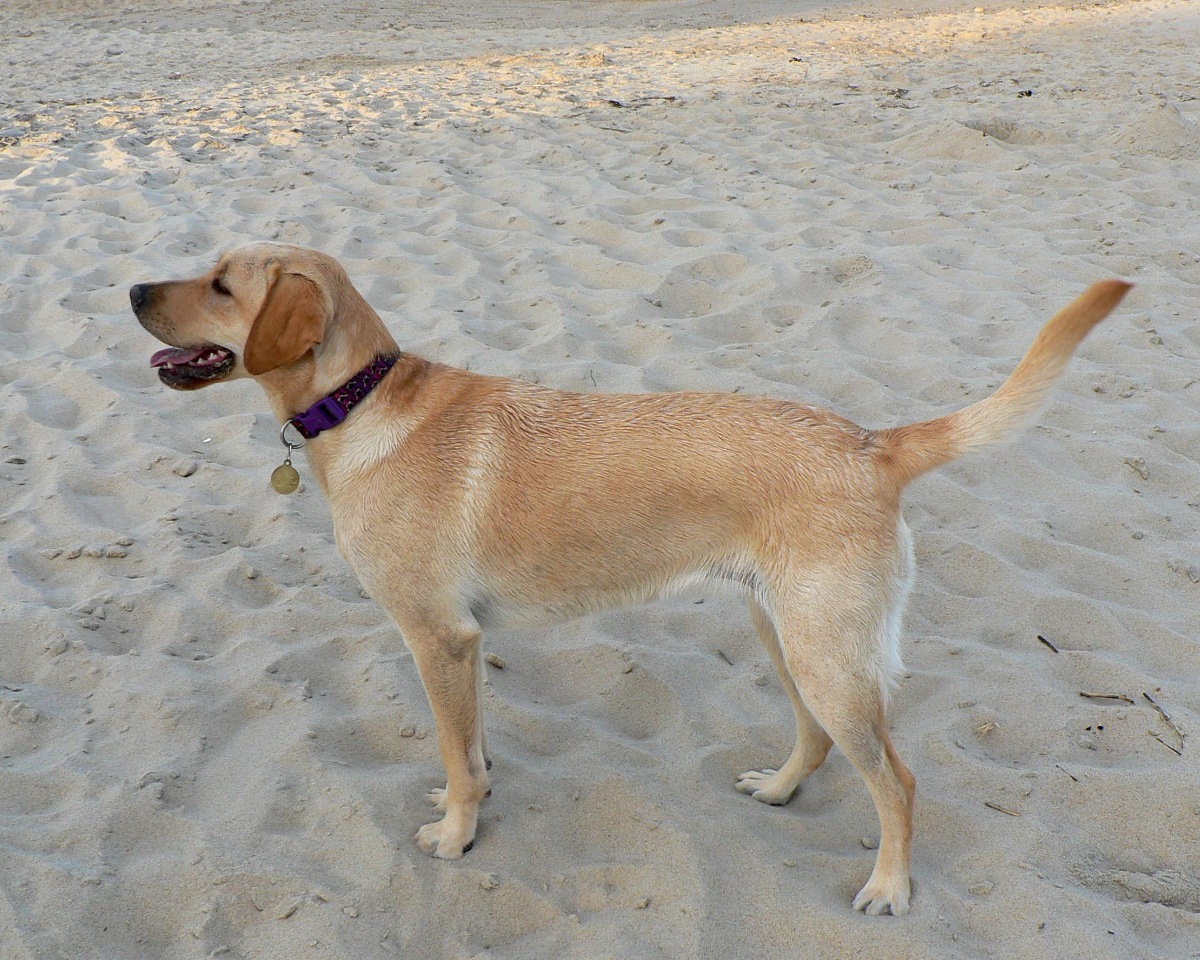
(766, 786)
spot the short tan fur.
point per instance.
(463, 501)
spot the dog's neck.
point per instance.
(354, 339)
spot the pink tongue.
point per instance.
(176, 355)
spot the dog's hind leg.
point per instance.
(842, 682)
(448, 659)
(812, 742)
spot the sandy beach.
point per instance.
(213, 744)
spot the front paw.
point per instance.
(448, 839)
(884, 895)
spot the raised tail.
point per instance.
(907, 452)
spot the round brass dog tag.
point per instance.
(285, 479)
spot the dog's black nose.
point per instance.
(137, 295)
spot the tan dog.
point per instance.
(463, 501)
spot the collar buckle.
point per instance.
(322, 415)
(331, 410)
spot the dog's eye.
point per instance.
(218, 284)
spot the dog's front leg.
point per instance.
(448, 659)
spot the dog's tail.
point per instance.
(907, 452)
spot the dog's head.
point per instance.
(260, 308)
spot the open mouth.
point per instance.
(188, 368)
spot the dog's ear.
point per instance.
(290, 323)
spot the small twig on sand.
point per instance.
(1047, 643)
(1067, 772)
(996, 806)
(724, 656)
(1163, 713)
(1106, 696)
(637, 101)
(1164, 743)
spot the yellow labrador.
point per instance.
(463, 501)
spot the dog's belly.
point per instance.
(496, 604)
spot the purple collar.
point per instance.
(331, 410)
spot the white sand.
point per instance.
(212, 745)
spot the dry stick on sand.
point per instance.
(1163, 713)
(1164, 743)
(996, 806)
(637, 102)
(1047, 643)
(1106, 696)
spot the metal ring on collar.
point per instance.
(283, 436)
